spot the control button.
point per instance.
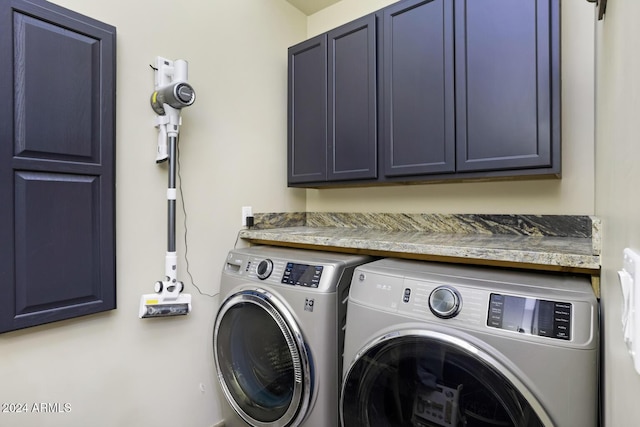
(407, 295)
(495, 321)
(545, 318)
(444, 302)
(496, 307)
(264, 269)
(562, 321)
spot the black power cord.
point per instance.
(184, 211)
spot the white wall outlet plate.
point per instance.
(246, 211)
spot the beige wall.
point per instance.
(573, 194)
(114, 369)
(617, 202)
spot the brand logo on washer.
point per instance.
(308, 304)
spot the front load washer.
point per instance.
(279, 333)
(431, 344)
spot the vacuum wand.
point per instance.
(171, 94)
(171, 196)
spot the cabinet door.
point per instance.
(57, 165)
(507, 84)
(307, 111)
(418, 75)
(352, 109)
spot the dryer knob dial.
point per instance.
(444, 302)
(264, 269)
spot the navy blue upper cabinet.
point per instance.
(307, 115)
(418, 110)
(446, 89)
(352, 138)
(332, 115)
(508, 85)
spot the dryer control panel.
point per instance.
(530, 316)
(527, 306)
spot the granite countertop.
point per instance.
(545, 242)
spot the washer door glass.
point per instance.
(420, 378)
(260, 364)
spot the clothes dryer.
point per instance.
(278, 335)
(431, 344)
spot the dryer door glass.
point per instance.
(259, 363)
(422, 379)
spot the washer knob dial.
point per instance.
(444, 302)
(264, 269)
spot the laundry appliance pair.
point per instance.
(426, 344)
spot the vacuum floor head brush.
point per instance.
(164, 302)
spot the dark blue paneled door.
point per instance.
(352, 102)
(57, 178)
(307, 111)
(418, 78)
(507, 85)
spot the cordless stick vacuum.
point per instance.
(172, 93)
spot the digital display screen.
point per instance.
(530, 316)
(302, 275)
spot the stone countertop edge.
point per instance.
(558, 241)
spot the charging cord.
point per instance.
(184, 211)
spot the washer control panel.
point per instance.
(530, 316)
(302, 275)
(315, 271)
